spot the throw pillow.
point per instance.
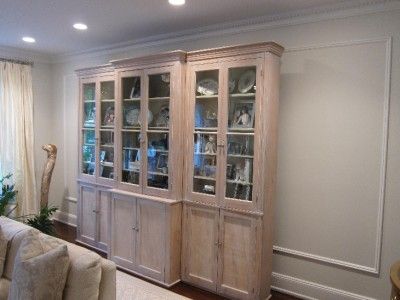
(40, 269)
(3, 251)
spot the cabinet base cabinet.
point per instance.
(146, 237)
(221, 251)
(93, 215)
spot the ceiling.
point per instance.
(116, 21)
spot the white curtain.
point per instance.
(16, 133)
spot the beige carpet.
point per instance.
(132, 288)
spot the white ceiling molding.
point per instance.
(343, 9)
(24, 55)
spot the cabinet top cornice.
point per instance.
(221, 52)
(95, 70)
(165, 57)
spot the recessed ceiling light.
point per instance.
(80, 26)
(28, 39)
(176, 2)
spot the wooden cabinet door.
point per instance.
(103, 210)
(238, 263)
(87, 215)
(150, 239)
(200, 244)
(123, 224)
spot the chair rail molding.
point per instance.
(375, 269)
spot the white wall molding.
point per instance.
(65, 218)
(386, 99)
(22, 54)
(340, 10)
(304, 289)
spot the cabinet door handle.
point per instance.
(95, 211)
(135, 228)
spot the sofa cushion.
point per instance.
(84, 274)
(40, 270)
(3, 251)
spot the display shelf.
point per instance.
(130, 170)
(241, 156)
(107, 164)
(157, 173)
(130, 148)
(107, 100)
(131, 99)
(157, 128)
(89, 144)
(107, 127)
(205, 129)
(214, 97)
(204, 178)
(89, 101)
(238, 182)
(107, 146)
(244, 95)
(206, 154)
(158, 98)
(157, 131)
(240, 131)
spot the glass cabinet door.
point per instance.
(106, 131)
(157, 131)
(131, 129)
(205, 135)
(88, 129)
(241, 109)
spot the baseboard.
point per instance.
(65, 218)
(308, 290)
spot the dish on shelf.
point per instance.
(207, 87)
(132, 116)
(246, 81)
(163, 117)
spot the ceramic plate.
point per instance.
(247, 81)
(132, 116)
(207, 87)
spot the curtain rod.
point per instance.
(17, 61)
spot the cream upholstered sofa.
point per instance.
(89, 277)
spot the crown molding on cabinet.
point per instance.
(337, 11)
(165, 57)
(95, 70)
(233, 50)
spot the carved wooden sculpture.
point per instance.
(47, 172)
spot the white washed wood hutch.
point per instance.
(177, 166)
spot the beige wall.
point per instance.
(330, 214)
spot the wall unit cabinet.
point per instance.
(198, 128)
(232, 104)
(131, 140)
(148, 239)
(93, 212)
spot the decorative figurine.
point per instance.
(211, 147)
(244, 118)
(109, 116)
(47, 173)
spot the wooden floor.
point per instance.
(68, 233)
